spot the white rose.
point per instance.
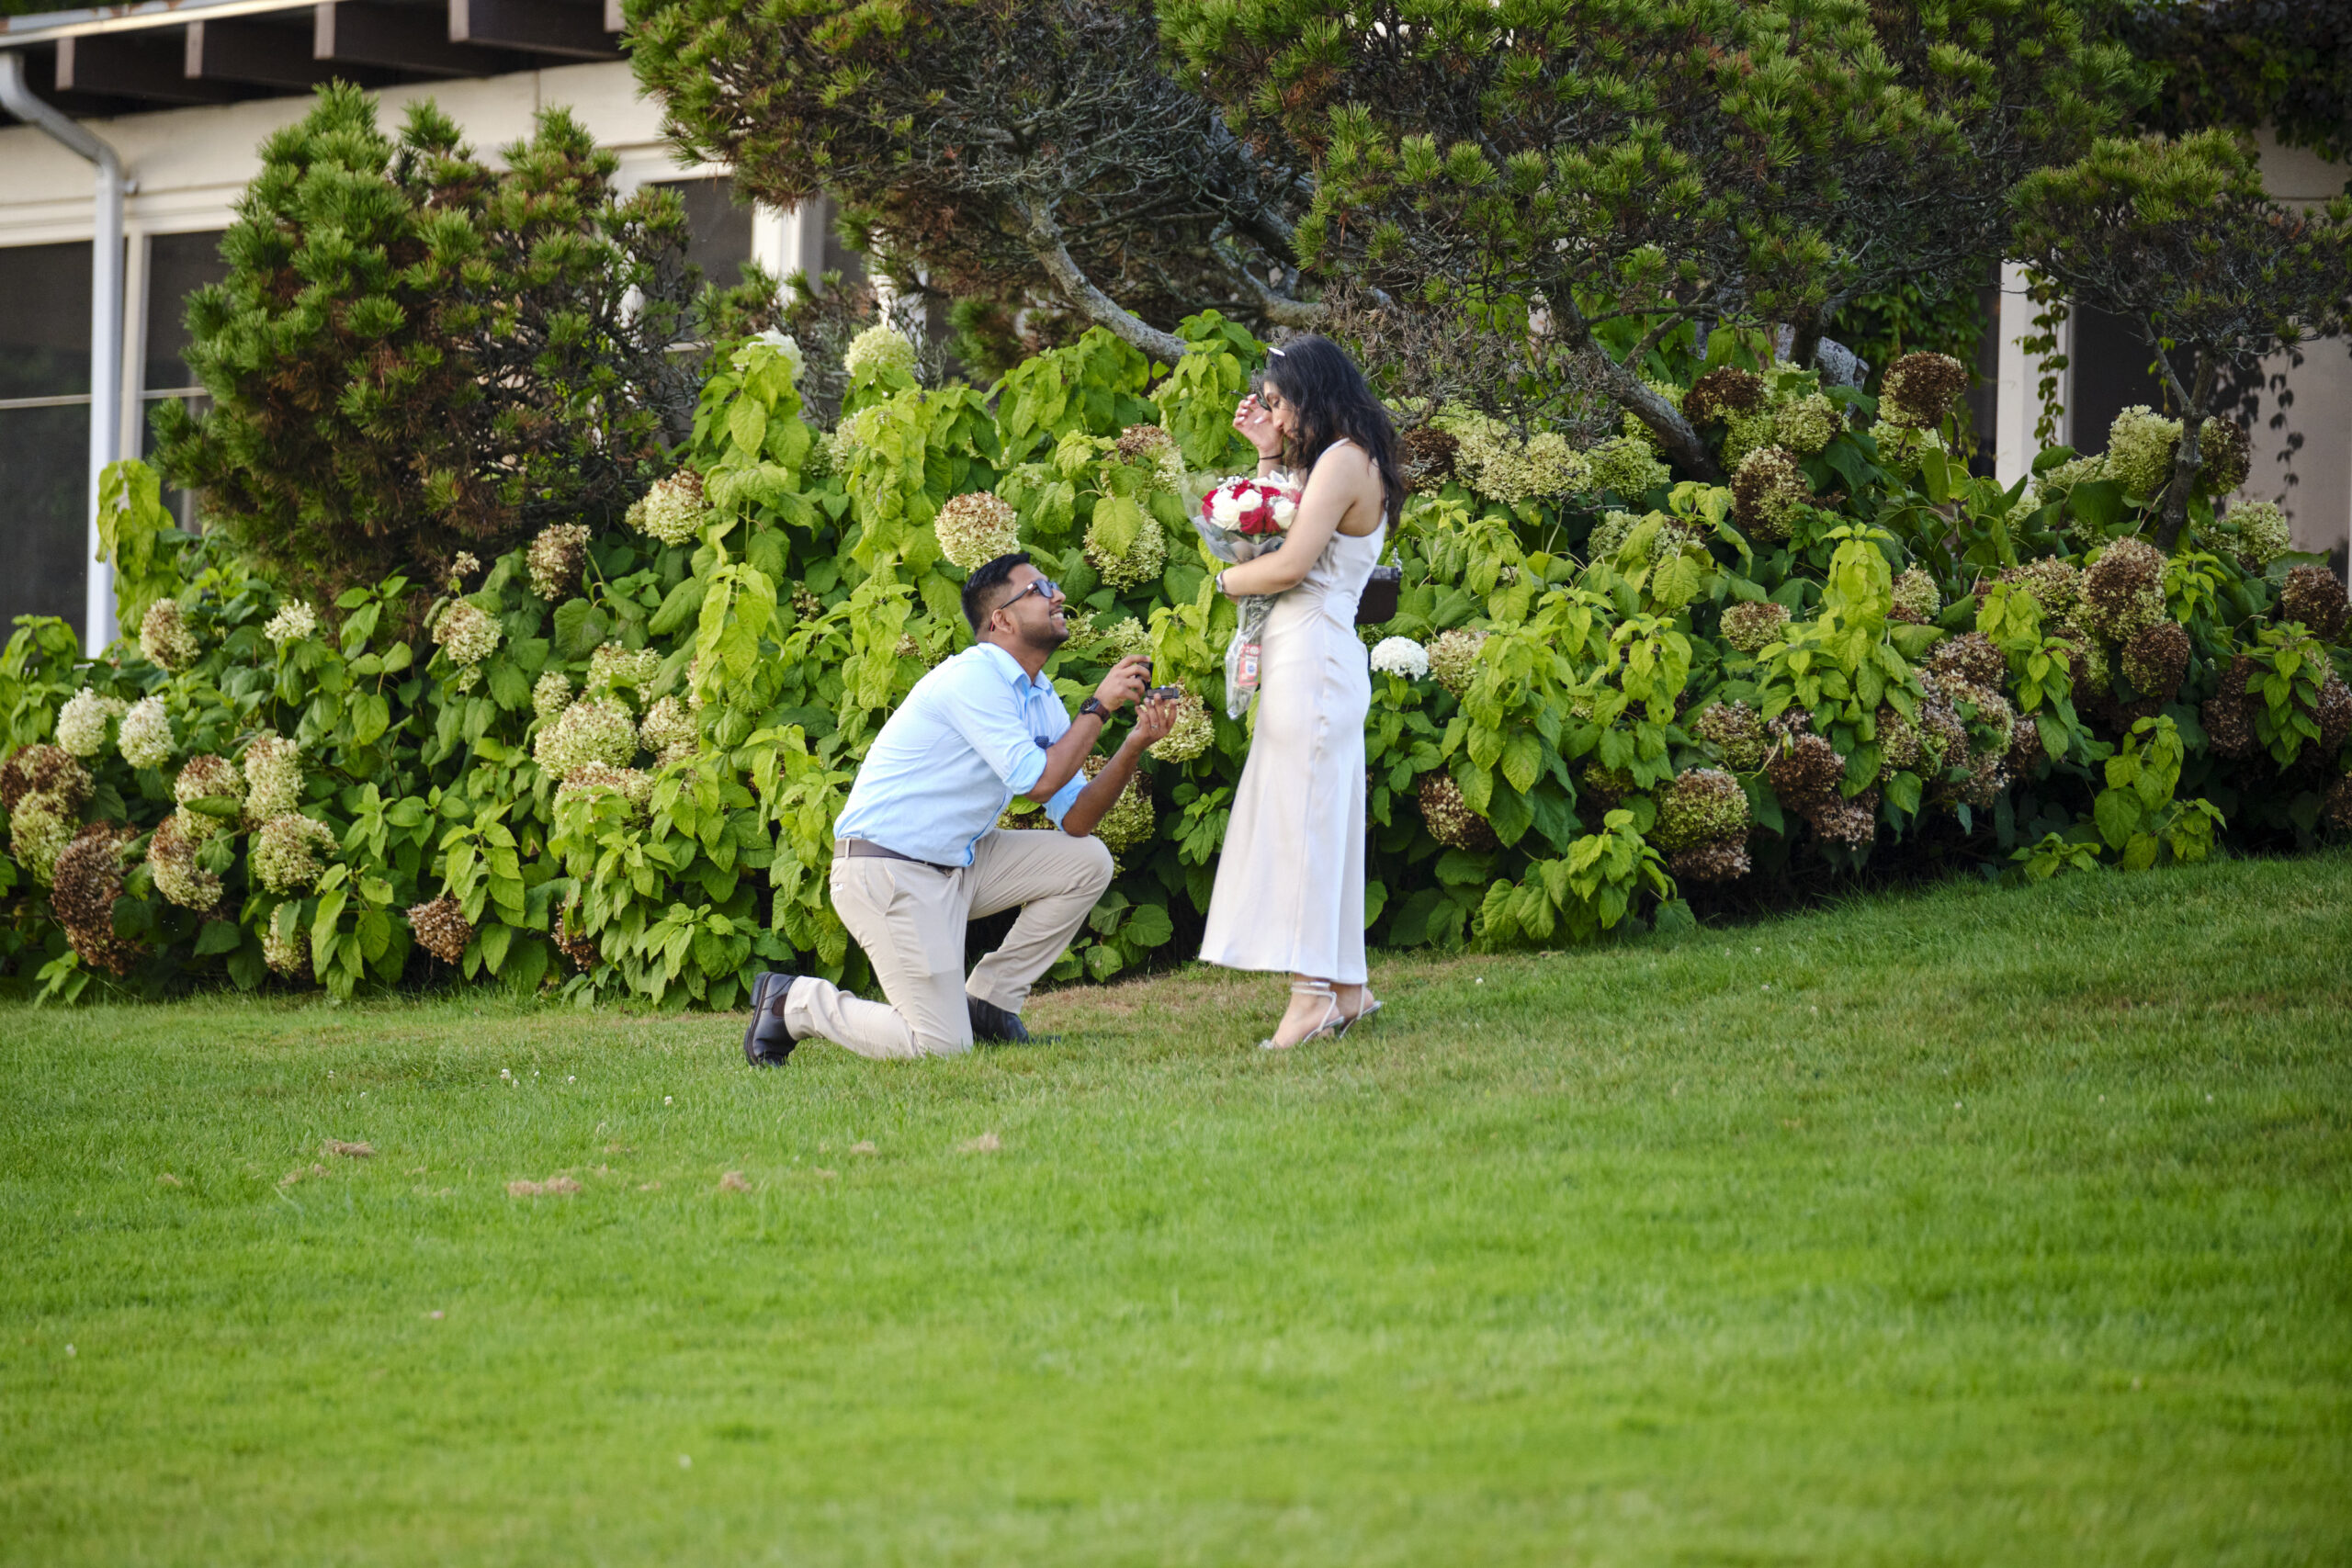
(1225, 507)
(1284, 509)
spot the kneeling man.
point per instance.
(917, 853)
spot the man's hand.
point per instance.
(1154, 719)
(1126, 683)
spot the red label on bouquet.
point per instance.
(1246, 675)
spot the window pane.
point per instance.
(177, 265)
(44, 475)
(719, 228)
(44, 321)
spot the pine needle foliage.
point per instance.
(415, 354)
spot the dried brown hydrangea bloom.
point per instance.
(87, 881)
(1806, 772)
(1454, 658)
(1144, 443)
(2337, 807)
(1721, 393)
(2228, 455)
(1970, 659)
(1988, 776)
(2124, 590)
(1902, 744)
(46, 769)
(1427, 454)
(557, 559)
(1753, 626)
(1698, 807)
(1767, 493)
(1920, 388)
(165, 636)
(2314, 599)
(2334, 712)
(2056, 585)
(1735, 731)
(1917, 599)
(172, 861)
(1853, 823)
(1450, 821)
(2156, 660)
(1719, 860)
(2229, 727)
(2087, 664)
(2026, 758)
(441, 928)
(1942, 732)
(574, 943)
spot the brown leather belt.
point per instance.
(867, 849)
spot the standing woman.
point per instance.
(1289, 888)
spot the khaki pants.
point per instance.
(909, 919)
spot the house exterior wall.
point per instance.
(2300, 419)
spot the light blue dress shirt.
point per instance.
(970, 736)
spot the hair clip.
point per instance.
(1274, 353)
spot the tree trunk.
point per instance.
(2188, 457)
(1673, 433)
(1046, 244)
(1804, 338)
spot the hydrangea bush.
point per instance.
(1609, 698)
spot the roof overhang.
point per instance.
(164, 53)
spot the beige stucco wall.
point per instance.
(2320, 502)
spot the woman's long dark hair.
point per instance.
(1315, 377)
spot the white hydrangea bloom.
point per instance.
(617, 664)
(287, 852)
(467, 633)
(784, 344)
(1401, 656)
(272, 769)
(2264, 534)
(674, 511)
(293, 622)
(879, 347)
(552, 694)
(976, 528)
(146, 734)
(81, 722)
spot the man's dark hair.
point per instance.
(984, 589)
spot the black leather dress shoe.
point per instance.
(992, 1025)
(766, 1041)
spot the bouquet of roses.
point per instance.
(1241, 519)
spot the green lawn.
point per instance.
(1972, 1227)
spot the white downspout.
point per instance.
(105, 324)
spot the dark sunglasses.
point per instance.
(1044, 588)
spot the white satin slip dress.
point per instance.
(1289, 892)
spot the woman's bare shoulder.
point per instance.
(1346, 463)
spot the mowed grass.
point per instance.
(1974, 1226)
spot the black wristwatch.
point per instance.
(1094, 705)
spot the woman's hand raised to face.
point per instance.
(1257, 427)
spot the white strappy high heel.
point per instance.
(1370, 1008)
(1332, 1026)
